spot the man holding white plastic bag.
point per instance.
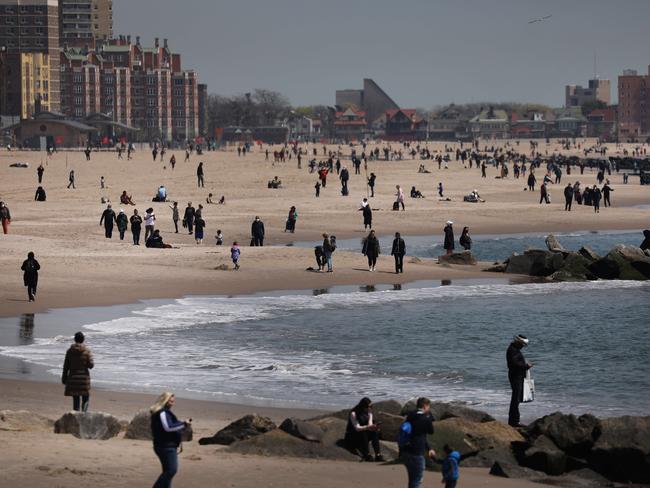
(517, 369)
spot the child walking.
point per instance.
(450, 467)
(234, 254)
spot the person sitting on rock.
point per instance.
(361, 430)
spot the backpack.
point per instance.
(404, 437)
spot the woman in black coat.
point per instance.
(449, 237)
(367, 217)
(30, 268)
(371, 250)
(465, 240)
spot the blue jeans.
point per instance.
(328, 259)
(415, 469)
(169, 460)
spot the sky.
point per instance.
(423, 53)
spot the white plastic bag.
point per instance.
(529, 388)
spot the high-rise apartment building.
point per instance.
(29, 40)
(134, 85)
(633, 105)
(597, 91)
(83, 22)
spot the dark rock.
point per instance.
(497, 268)
(588, 254)
(93, 425)
(389, 425)
(303, 429)
(622, 452)
(140, 428)
(623, 263)
(514, 471)
(535, 262)
(544, 455)
(24, 421)
(392, 407)
(463, 258)
(415, 260)
(244, 428)
(553, 244)
(574, 268)
(442, 411)
(574, 435)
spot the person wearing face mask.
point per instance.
(257, 232)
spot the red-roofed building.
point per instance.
(527, 126)
(602, 123)
(404, 124)
(350, 125)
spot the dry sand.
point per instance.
(45, 460)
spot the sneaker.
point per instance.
(379, 458)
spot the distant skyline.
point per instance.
(422, 52)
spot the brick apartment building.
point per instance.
(633, 105)
(83, 22)
(29, 42)
(137, 86)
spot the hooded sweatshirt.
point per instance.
(450, 466)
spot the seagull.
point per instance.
(540, 19)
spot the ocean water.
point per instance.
(497, 248)
(589, 343)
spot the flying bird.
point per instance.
(540, 19)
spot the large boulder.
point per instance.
(140, 428)
(535, 262)
(481, 443)
(588, 254)
(392, 407)
(622, 452)
(553, 244)
(544, 455)
(623, 263)
(573, 435)
(88, 425)
(574, 268)
(463, 258)
(242, 429)
(389, 425)
(24, 421)
(308, 431)
(443, 410)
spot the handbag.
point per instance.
(529, 389)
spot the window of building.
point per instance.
(79, 112)
(78, 100)
(178, 81)
(151, 102)
(151, 91)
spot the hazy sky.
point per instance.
(422, 52)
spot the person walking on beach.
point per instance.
(188, 218)
(5, 217)
(367, 214)
(149, 223)
(329, 246)
(235, 252)
(465, 240)
(108, 219)
(166, 430)
(290, 226)
(136, 227)
(449, 237)
(344, 177)
(413, 451)
(361, 430)
(122, 223)
(450, 473)
(531, 181)
(595, 198)
(543, 194)
(517, 368)
(199, 226)
(76, 373)
(39, 171)
(30, 269)
(257, 232)
(568, 197)
(371, 184)
(371, 250)
(400, 196)
(199, 175)
(175, 216)
(398, 252)
(606, 194)
(71, 179)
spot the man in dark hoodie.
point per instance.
(398, 252)
(568, 197)
(30, 269)
(257, 232)
(517, 368)
(108, 219)
(645, 245)
(188, 218)
(421, 423)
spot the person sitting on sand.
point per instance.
(161, 194)
(219, 238)
(361, 430)
(155, 241)
(422, 169)
(473, 197)
(416, 193)
(40, 195)
(275, 183)
(126, 199)
(222, 200)
(209, 199)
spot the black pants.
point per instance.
(40, 178)
(372, 260)
(31, 289)
(608, 203)
(122, 232)
(399, 263)
(109, 231)
(567, 205)
(517, 386)
(80, 403)
(136, 236)
(176, 225)
(201, 185)
(190, 226)
(372, 192)
(358, 441)
(258, 241)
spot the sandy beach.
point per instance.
(80, 267)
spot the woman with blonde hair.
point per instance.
(166, 430)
